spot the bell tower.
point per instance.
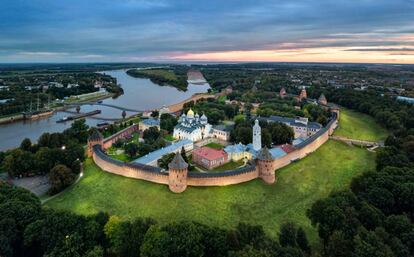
(257, 136)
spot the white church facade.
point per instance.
(192, 127)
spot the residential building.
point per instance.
(145, 124)
(210, 158)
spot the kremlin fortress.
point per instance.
(262, 164)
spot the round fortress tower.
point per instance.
(266, 167)
(95, 138)
(177, 174)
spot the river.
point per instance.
(139, 94)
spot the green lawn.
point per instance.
(222, 99)
(300, 184)
(169, 137)
(356, 125)
(229, 166)
(215, 145)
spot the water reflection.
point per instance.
(139, 94)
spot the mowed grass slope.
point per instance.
(356, 125)
(300, 184)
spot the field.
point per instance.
(215, 145)
(356, 125)
(298, 186)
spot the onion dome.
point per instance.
(178, 163)
(203, 117)
(190, 113)
(264, 155)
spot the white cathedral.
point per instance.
(192, 127)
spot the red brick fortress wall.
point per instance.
(179, 180)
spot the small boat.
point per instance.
(65, 118)
(102, 124)
(100, 101)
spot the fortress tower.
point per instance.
(257, 136)
(282, 92)
(95, 138)
(303, 94)
(266, 169)
(177, 174)
(322, 100)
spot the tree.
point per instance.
(281, 133)
(19, 163)
(60, 177)
(287, 235)
(390, 156)
(155, 113)
(131, 149)
(184, 155)
(97, 251)
(168, 122)
(165, 160)
(127, 237)
(123, 114)
(266, 138)
(151, 135)
(78, 131)
(78, 108)
(302, 240)
(26, 144)
(156, 242)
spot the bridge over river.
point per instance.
(108, 105)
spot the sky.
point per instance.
(367, 31)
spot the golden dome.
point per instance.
(190, 113)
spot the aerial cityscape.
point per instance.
(212, 128)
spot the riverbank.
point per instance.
(56, 108)
(160, 77)
(139, 94)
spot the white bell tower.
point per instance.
(257, 136)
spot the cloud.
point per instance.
(39, 54)
(377, 49)
(152, 30)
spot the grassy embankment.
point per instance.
(356, 125)
(300, 184)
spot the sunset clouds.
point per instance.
(142, 30)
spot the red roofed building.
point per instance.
(287, 148)
(210, 158)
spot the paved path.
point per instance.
(38, 185)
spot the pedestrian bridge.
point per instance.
(109, 105)
(357, 142)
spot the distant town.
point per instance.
(210, 147)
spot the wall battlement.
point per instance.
(178, 177)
